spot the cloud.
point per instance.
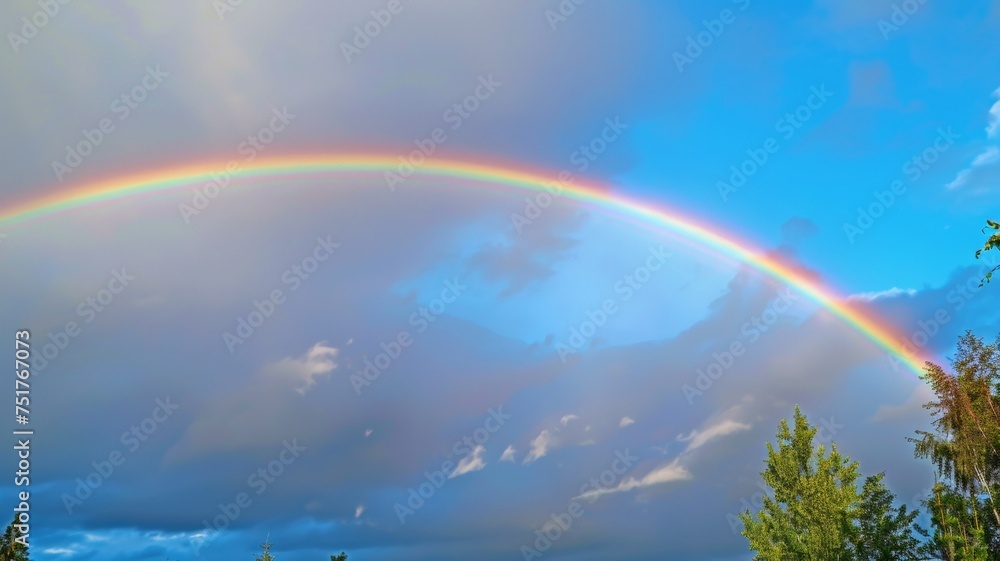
(983, 173)
(301, 373)
(528, 257)
(368, 432)
(626, 421)
(473, 462)
(676, 470)
(697, 438)
(508, 454)
(667, 473)
(893, 292)
(912, 407)
(358, 511)
(990, 156)
(993, 119)
(982, 165)
(539, 447)
(797, 229)
(566, 419)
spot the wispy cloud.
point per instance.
(697, 438)
(672, 471)
(539, 447)
(893, 292)
(301, 373)
(508, 454)
(994, 116)
(983, 169)
(473, 462)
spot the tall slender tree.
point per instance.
(265, 547)
(11, 549)
(965, 448)
(957, 533)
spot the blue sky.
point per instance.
(424, 351)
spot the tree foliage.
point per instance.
(884, 533)
(992, 243)
(817, 512)
(965, 451)
(265, 554)
(10, 548)
(956, 533)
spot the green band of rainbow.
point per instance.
(698, 231)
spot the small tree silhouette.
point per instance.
(266, 554)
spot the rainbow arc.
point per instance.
(698, 231)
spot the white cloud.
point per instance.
(508, 454)
(626, 421)
(914, 405)
(991, 155)
(358, 511)
(368, 432)
(663, 474)
(893, 292)
(994, 116)
(698, 438)
(301, 373)
(961, 179)
(565, 420)
(539, 447)
(975, 174)
(470, 463)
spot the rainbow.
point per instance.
(699, 232)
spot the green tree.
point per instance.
(341, 557)
(10, 548)
(884, 533)
(956, 533)
(817, 513)
(265, 554)
(965, 449)
(992, 243)
(815, 497)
